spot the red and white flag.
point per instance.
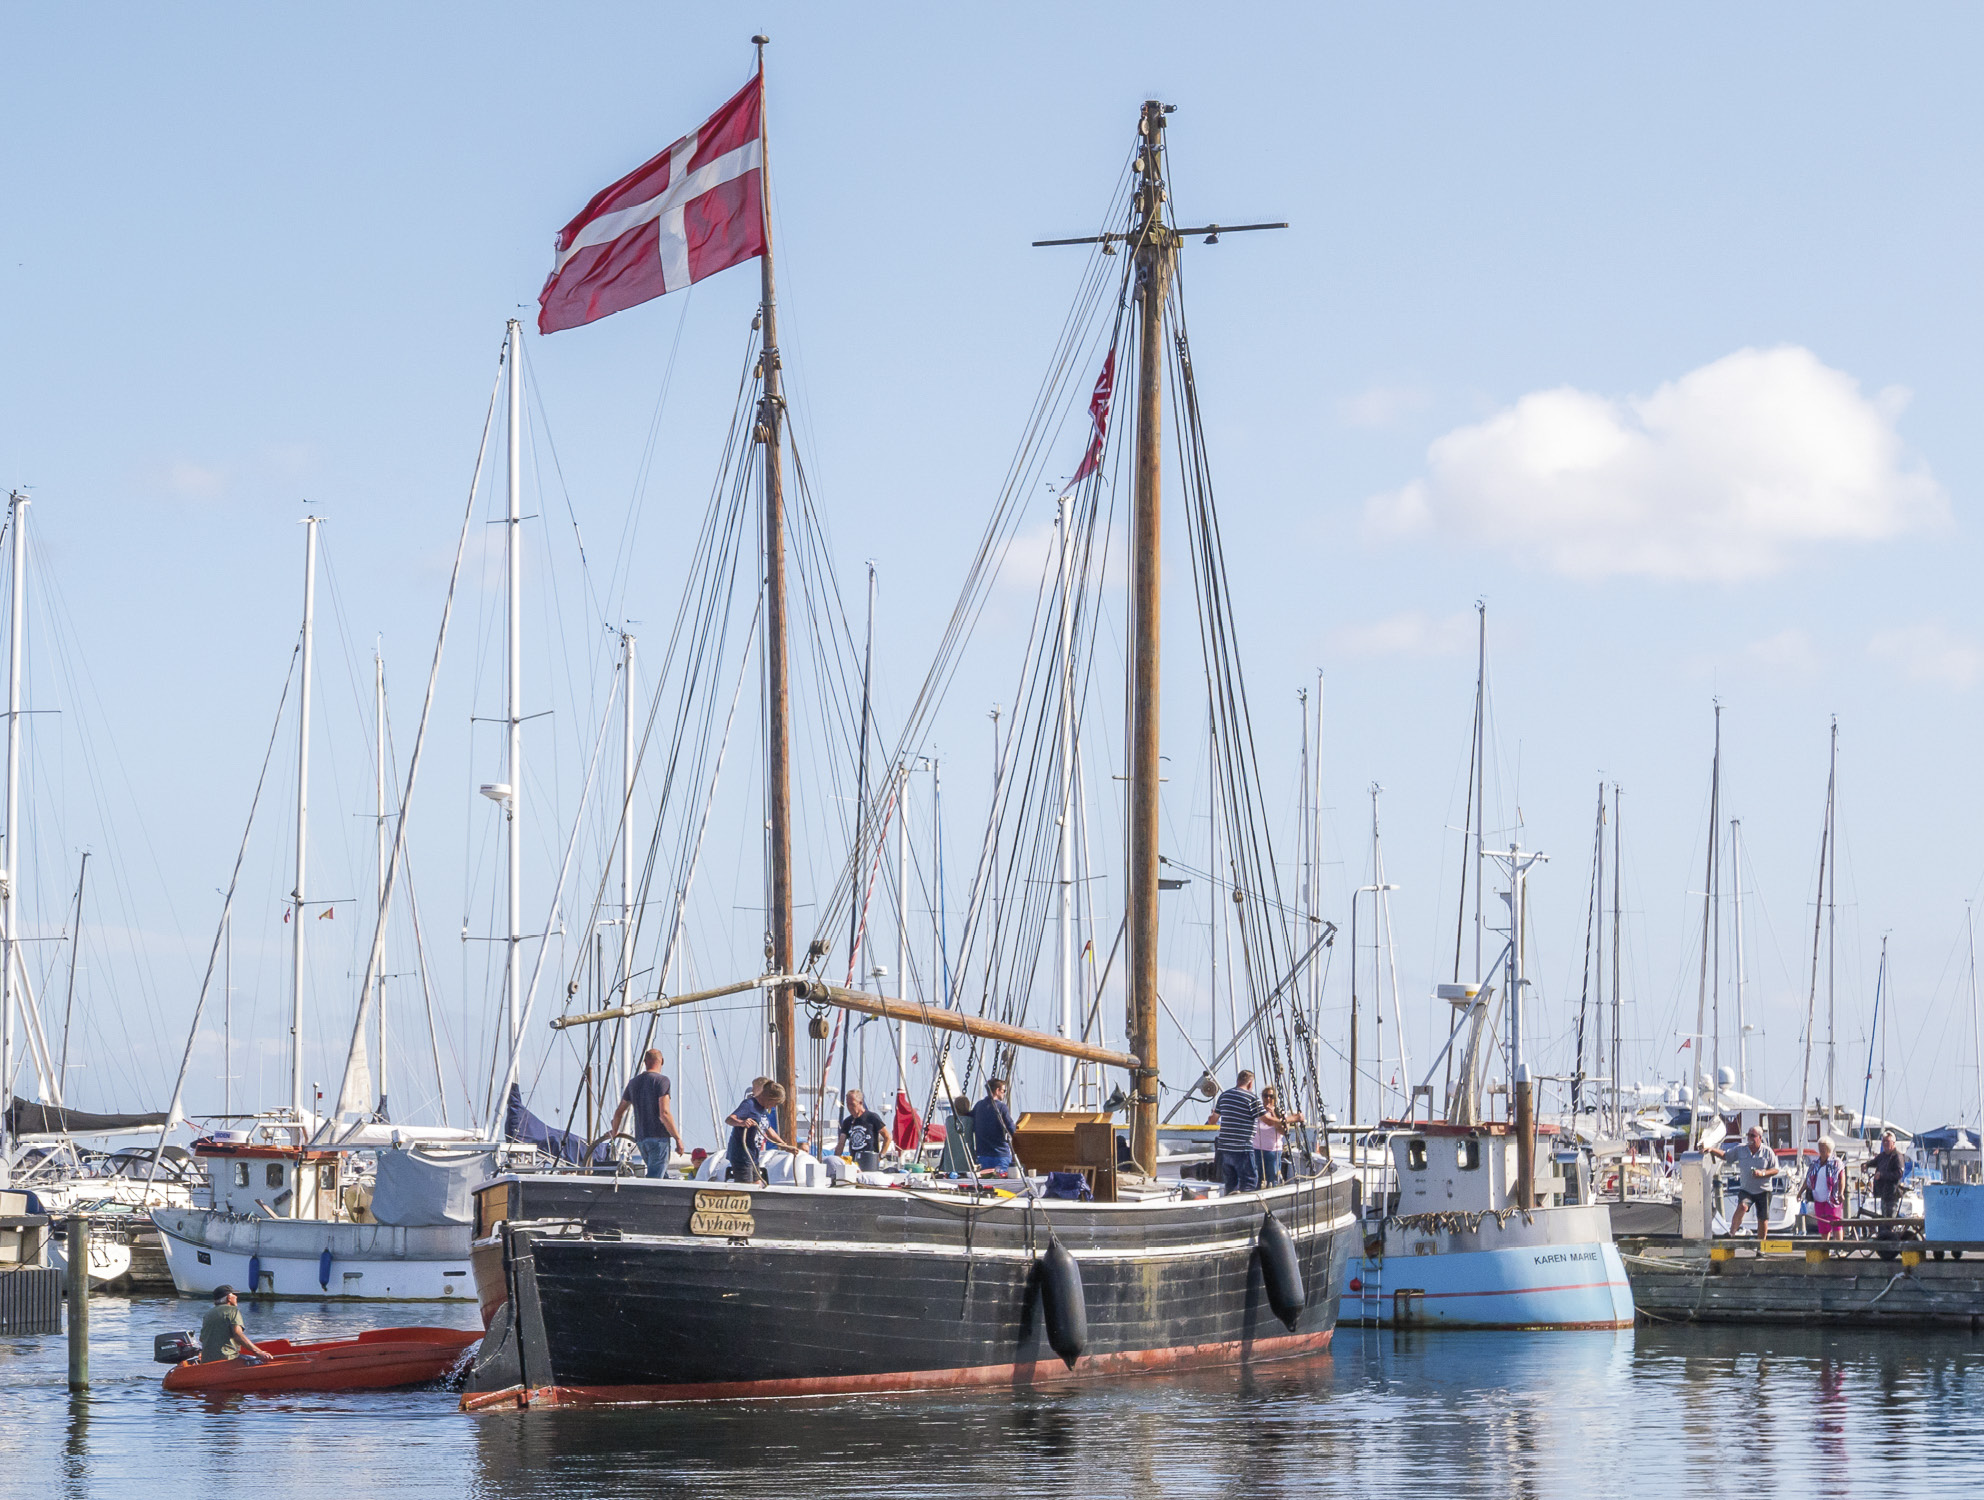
(1098, 418)
(692, 211)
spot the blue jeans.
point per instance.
(995, 1161)
(655, 1151)
(1268, 1163)
(1238, 1171)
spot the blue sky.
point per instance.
(260, 260)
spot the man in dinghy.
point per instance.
(221, 1334)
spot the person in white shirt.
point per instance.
(1825, 1186)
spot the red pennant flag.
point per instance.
(1685, 1045)
(327, 913)
(694, 210)
(1098, 418)
(285, 914)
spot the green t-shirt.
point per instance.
(220, 1333)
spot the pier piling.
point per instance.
(78, 1249)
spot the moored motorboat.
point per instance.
(377, 1359)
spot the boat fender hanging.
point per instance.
(1061, 1302)
(254, 1275)
(324, 1269)
(1281, 1271)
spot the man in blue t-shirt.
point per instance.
(992, 1128)
(646, 1095)
(752, 1123)
(1235, 1112)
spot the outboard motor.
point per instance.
(175, 1348)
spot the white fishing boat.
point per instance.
(1488, 1223)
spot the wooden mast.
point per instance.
(778, 698)
(1155, 247)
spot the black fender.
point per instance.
(1062, 1303)
(1281, 1271)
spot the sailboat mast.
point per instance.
(1742, 1017)
(1832, 927)
(627, 848)
(379, 846)
(1064, 832)
(9, 998)
(1618, 1105)
(302, 821)
(1155, 247)
(513, 713)
(778, 694)
(1818, 920)
(1698, 1041)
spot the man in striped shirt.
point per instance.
(1235, 1112)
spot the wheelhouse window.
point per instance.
(1467, 1154)
(327, 1176)
(274, 1174)
(1415, 1154)
(241, 1174)
(1777, 1130)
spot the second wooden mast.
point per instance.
(778, 692)
(1155, 245)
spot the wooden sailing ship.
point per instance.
(599, 1288)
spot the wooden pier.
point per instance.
(1869, 1283)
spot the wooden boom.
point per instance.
(873, 1005)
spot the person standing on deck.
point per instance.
(221, 1333)
(861, 1133)
(1757, 1166)
(1270, 1138)
(1888, 1170)
(992, 1128)
(646, 1095)
(751, 1124)
(1236, 1112)
(1825, 1185)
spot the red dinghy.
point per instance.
(375, 1360)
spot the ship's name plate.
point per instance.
(724, 1215)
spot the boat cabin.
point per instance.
(1472, 1168)
(265, 1180)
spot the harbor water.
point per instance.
(1700, 1411)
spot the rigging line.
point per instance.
(534, 388)
(375, 960)
(226, 910)
(622, 575)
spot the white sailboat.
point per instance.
(302, 1205)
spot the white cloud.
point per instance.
(1383, 405)
(195, 481)
(1409, 634)
(1930, 653)
(1787, 651)
(1729, 472)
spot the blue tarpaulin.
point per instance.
(519, 1124)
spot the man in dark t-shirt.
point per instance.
(861, 1133)
(646, 1095)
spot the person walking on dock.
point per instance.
(1756, 1164)
(751, 1124)
(1825, 1186)
(1236, 1112)
(646, 1095)
(1888, 1170)
(992, 1128)
(221, 1333)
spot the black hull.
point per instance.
(610, 1299)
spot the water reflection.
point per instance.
(1700, 1411)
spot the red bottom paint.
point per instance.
(1019, 1376)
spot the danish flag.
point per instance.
(1098, 418)
(694, 210)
